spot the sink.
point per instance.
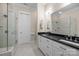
(45, 34)
(68, 42)
(50, 36)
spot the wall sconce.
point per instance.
(41, 24)
(48, 25)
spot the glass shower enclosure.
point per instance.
(7, 27)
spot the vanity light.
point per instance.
(49, 12)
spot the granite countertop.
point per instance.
(59, 39)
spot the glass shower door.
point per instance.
(3, 27)
(11, 26)
(7, 27)
(11, 29)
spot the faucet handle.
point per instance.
(76, 40)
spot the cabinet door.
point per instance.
(42, 44)
(39, 41)
(48, 50)
(69, 51)
(53, 48)
(49, 47)
(57, 51)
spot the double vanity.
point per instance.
(61, 38)
(58, 45)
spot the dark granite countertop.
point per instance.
(59, 38)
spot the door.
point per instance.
(11, 28)
(3, 27)
(24, 28)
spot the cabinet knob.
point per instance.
(63, 48)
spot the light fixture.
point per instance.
(60, 12)
(65, 4)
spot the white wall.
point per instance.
(40, 16)
(34, 17)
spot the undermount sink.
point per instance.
(68, 42)
(50, 36)
(45, 34)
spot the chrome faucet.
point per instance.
(67, 38)
(75, 40)
(71, 38)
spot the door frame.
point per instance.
(18, 13)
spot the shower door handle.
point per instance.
(5, 15)
(6, 31)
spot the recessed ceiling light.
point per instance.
(60, 12)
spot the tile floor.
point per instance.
(27, 50)
(3, 49)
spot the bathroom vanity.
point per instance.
(63, 39)
(57, 45)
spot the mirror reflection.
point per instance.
(65, 21)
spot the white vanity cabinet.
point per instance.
(53, 48)
(41, 43)
(56, 50)
(69, 51)
(45, 45)
(48, 47)
(63, 50)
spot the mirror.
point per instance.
(65, 21)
